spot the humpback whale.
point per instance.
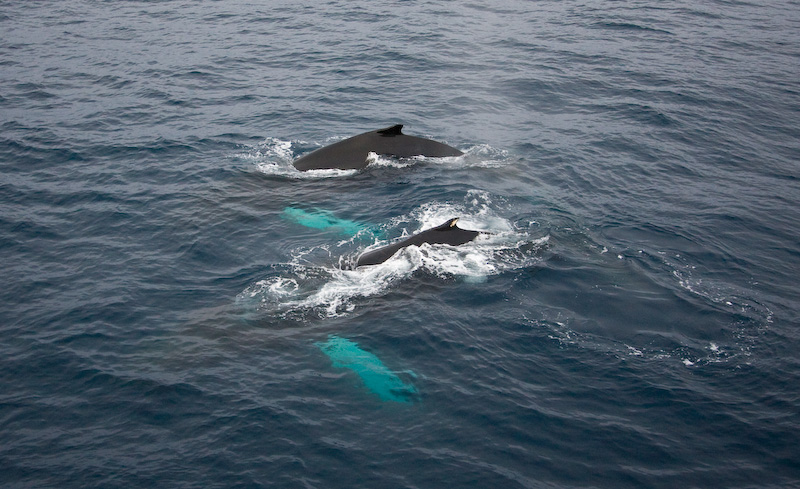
(447, 233)
(351, 153)
(375, 375)
(326, 220)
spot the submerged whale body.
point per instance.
(375, 375)
(447, 233)
(352, 153)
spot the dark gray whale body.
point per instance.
(447, 233)
(351, 153)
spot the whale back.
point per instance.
(447, 233)
(352, 153)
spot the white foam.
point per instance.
(477, 212)
(634, 351)
(328, 291)
(269, 292)
(305, 286)
(336, 295)
(479, 156)
(376, 160)
(274, 156)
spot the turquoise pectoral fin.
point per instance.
(325, 220)
(375, 375)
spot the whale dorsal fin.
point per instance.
(392, 131)
(449, 224)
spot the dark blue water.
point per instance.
(631, 322)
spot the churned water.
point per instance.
(178, 303)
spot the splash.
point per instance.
(274, 157)
(306, 287)
(296, 291)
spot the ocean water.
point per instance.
(178, 306)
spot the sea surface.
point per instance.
(178, 307)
